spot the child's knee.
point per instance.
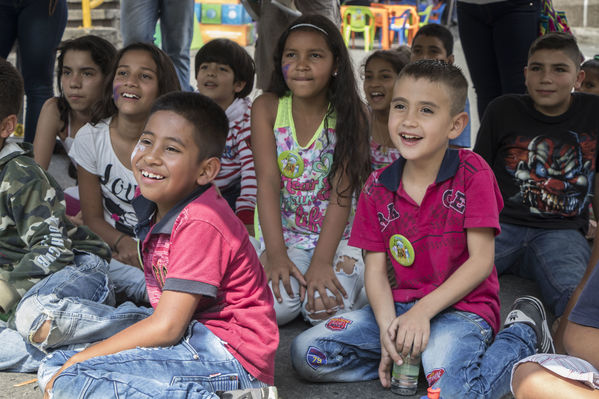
(526, 379)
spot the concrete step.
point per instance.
(98, 17)
(107, 4)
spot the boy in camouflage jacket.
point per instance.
(44, 258)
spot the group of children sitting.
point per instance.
(231, 218)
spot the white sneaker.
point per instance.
(251, 393)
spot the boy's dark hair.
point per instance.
(444, 73)
(557, 41)
(393, 57)
(102, 53)
(165, 71)
(227, 52)
(210, 123)
(438, 31)
(591, 64)
(11, 89)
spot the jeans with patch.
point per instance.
(79, 300)
(461, 357)
(138, 23)
(555, 259)
(196, 367)
(291, 307)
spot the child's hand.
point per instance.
(77, 220)
(127, 252)
(50, 383)
(280, 268)
(319, 277)
(385, 367)
(407, 333)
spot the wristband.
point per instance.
(114, 246)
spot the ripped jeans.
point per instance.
(196, 367)
(79, 300)
(290, 308)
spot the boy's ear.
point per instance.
(579, 79)
(238, 86)
(208, 170)
(8, 125)
(451, 59)
(458, 124)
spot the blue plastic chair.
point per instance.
(401, 24)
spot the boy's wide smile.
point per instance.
(166, 160)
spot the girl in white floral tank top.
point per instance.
(310, 143)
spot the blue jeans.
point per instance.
(461, 357)
(138, 23)
(38, 34)
(129, 281)
(80, 302)
(196, 367)
(554, 259)
(495, 38)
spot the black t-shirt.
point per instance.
(545, 166)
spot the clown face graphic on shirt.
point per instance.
(554, 174)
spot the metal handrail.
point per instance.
(86, 6)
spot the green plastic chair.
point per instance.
(359, 19)
(196, 41)
(425, 15)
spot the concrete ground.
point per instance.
(288, 384)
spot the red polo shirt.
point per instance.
(465, 195)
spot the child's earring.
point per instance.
(335, 74)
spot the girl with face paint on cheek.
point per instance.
(103, 148)
(310, 143)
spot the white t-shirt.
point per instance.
(93, 151)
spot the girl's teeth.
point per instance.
(129, 95)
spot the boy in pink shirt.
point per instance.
(213, 326)
(434, 212)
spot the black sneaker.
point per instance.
(529, 310)
(250, 393)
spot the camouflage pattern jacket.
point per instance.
(36, 238)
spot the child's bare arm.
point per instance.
(46, 132)
(277, 264)
(411, 330)
(165, 327)
(381, 301)
(90, 195)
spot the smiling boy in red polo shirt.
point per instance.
(435, 212)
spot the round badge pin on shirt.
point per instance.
(402, 250)
(291, 164)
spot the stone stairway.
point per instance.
(105, 21)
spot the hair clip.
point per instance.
(309, 26)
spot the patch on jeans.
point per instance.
(434, 376)
(315, 357)
(338, 323)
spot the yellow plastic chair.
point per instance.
(358, 19)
